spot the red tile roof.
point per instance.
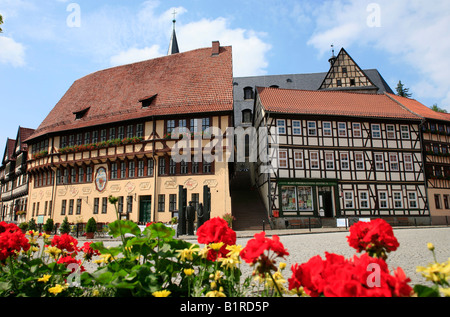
(336, 103)
(420, 109)
(185, 83)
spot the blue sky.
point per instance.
(46, 45)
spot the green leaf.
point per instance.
(425, 291)
(159, 230)
(122, 227)
(99, 246)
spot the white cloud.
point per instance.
(135, 55)
(120, 35)
(413, 32)
(249, 50)
(11, 52)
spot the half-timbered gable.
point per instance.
(117, 137)
(14, 177)
(345, 74)
(337, 154)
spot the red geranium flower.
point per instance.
(67, 260)
(213, 231)
(336, 276)
(375, 237)
(65, 242)
(255, 250)
(12, 240)
(88, 251)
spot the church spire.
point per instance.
(173, 46)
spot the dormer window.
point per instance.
(146, 102)
(81, 114)
(248, 93)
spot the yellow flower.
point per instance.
(436, 272)
(56, 289)
(45, 278)
(54, 252)
(216, 246)
(105, 258)
(430, 246)
(279, 280)
(282, 265)
(95, 292)
(216, 276)
(188, 272)
(216, 293)
(187, 254)
(163, 293)
(229, 262)
(445, 291)
(235, 251)
(45, 236)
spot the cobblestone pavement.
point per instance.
(302, 245)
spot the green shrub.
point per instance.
(91, 225)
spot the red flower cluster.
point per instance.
(213, 231)
(255, 249)
(358, 277)
(67, 260)
(88, 251)
(375, 237)
(65, 242)
(12, 240)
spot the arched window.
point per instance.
(246, 116)
(248, 93)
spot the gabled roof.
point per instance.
(22, 134)
(9, 151)
(191, 82)
(420, 109)
(331, 103)
(344, 60)
(311, 81)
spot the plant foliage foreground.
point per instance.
(155, 263)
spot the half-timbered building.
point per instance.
(112, 133)
(337, 155)
(14, 178)
(436, 152)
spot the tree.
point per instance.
(65, 227)
(1, 22)
(402, 91)
(437, 109)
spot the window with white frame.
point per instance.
(296, 127)
(312, 128)
(314, 159)
(342, 129)
(345, 163)
(327, 129)
(379, 162)
(376, 131)
(412, 199)
(405, 132)
(398, 200)
(383, 200)
(359, 161)
(298, 159)
(408, 161)
(329, 160)
(348, 200)
(390, 131)
(281, 125)
(393, 162)
(282, 159)
(357, 130)
(364, 200)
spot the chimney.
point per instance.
(215, 48)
